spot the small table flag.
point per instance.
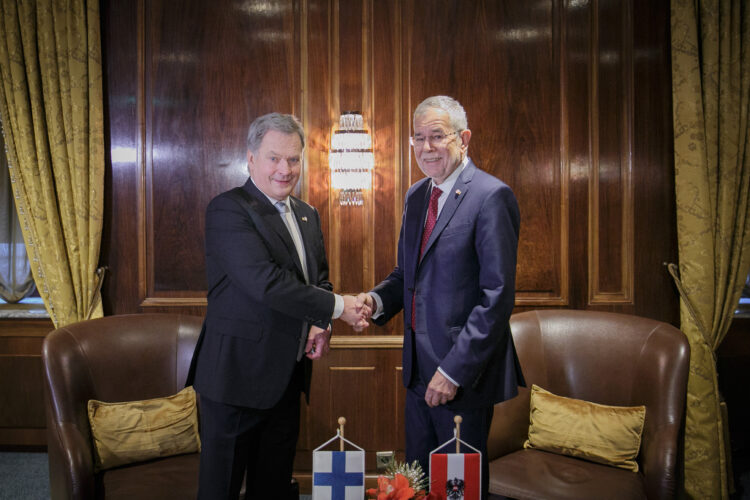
(339, 475)
(456, 476)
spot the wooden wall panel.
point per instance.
(317, 75)
(197, 108)
(22, 419)
(350, 227)
(568, 102)
(390, 141)
(610, 186)
(561, 128)
(120, 232)
(501, 61)
(655, 227)
(364, 386)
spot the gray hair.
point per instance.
(287, 124)
(449, 105)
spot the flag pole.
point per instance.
(457, 419)
(342, 422)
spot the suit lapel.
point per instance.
(460, 189)
(413, 225)
(272, 219)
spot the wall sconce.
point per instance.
(351, 159)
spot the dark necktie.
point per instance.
(432, 214)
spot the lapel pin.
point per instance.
(458, 192)
(304, 219)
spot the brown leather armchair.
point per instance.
(116, 358)
(606, 358)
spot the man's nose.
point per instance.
(284, 167)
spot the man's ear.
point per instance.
(250, 162)
(465, 138)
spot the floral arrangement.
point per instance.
(401, 481)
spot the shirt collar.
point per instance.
(448, 183)
(274, 201)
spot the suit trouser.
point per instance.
(263, 442)
(427, 428)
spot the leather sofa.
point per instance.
(606, 358)
(116, 358)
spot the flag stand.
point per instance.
(458, 470)
(340, 436)
(338, 474)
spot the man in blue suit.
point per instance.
(270, 306)
(455, 281)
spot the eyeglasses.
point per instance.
(435, 139)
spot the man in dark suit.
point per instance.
(270, 305)
(455, 280)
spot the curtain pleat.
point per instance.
(711, 99)
(51, 109)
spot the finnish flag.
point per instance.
(338, 475)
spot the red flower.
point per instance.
(394, 489)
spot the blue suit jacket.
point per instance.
(464, 286)
(258, 300)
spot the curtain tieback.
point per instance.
(100, 272)
(675, 273)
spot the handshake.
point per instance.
(357, 310)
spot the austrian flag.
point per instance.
(455, 476)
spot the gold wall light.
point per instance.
(351, 159)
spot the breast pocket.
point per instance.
(455, 241)
(457, 228)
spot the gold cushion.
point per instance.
(142, 430)
(604, 434)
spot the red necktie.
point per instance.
(432, 214)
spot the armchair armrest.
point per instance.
(510, 425)
(71, 463)
(659, 463)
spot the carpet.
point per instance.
(24, 476)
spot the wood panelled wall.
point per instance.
(22, 422)
(569, 102)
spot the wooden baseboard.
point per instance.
(23, 438)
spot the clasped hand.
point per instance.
(357, 310)
(317, 342)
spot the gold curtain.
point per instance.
(710, 90)
(51, 112)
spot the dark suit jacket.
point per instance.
(258, 300)
(464, 286)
